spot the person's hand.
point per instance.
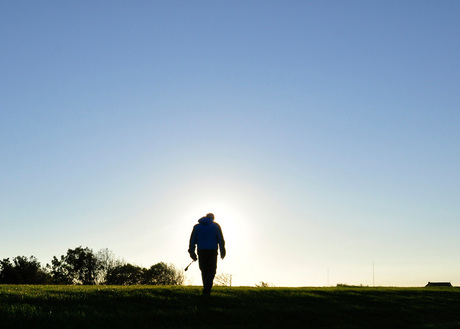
(193, 256)
(222, 254)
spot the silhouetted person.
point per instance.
(207, 236)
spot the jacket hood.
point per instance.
(205, 220)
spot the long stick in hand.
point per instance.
(189, 265)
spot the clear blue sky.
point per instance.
(322, 134)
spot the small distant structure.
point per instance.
(439, 284)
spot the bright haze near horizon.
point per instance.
(323, 135)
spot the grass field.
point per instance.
(87, 307)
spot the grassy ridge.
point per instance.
(184, 307)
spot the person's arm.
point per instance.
(221, 241)
(192, 243)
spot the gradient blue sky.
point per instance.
(324, 135)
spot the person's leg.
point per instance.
(208, 264)
(211, 270)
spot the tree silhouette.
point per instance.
(223, 279)
(78, 266)
(106, 263)
(83, 266)
(23, 270)
(124, 274)
(163, 274)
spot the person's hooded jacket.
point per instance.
(207, 234)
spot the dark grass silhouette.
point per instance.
(238, 307)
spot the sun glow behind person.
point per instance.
(236, 230)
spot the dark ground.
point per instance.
(183, 307)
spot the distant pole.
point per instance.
(373, 274)
(328, 276)
(230, 280)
